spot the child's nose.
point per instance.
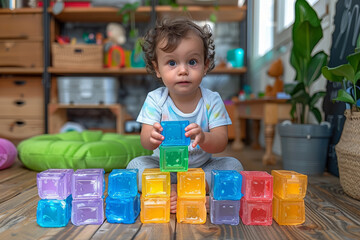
(183, 70)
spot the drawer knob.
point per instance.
(19, 102)
(17, 124)
(19, 82)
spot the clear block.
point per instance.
(123, 183)
(226, 184)
(257, 185)
(54, 183)
(289, 184)
(53, 213)
(288, 212)
(191, 210)
(191, 184)
(174, 133)
(155, 183)
(224, 211)
(256, 212)
(155, 210)
(86, 212)
(88, 184)
(174, 158)
(122, 210)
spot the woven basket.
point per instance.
(77, 56)
(348, 153)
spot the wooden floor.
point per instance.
(330, 214)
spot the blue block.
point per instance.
(174, 133)
(123, 183)
(226, 184)
(122, 210)
(53, 213)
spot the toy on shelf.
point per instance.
(123, 202)
(155, 199)
(54, 189)
(191, 199)
(88, 186)
(225, 195)
(174, 154)
(276, 70)
(289, 192)
(115, 55)
(8, 153)
(256, 205)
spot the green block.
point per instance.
(174, 158)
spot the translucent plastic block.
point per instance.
(53, 213)
(54, 183)
(191, 184)
(289, 184)
(87, 211)
(288, 212)
(224, 211)
(155, 210)
(122, 210)
(191, 210)
(174, 158)
(155, 183)
(257, 185)
(174, 133)
(123, 183)
(88, 184)
(256, 212)
(226, 184)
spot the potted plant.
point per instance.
(304, 145)
(347, 149)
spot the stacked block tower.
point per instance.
(54, 188)
(191, 199)
(155, 198)
(289, 192)
(225, 196)
(88, 186)
(256, 205)
(123, 201)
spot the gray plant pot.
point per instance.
(304, 146)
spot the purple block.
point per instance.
(88, 184)
(87, 211)
(224, 211)
(54, 183)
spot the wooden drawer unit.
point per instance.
(21, 26)
(20, 128)
(18, 53)
(21, 97)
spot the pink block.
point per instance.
(8, 153)
(257, 185)
(256, 212)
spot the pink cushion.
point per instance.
(8, 153)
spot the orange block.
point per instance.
(155, 210)
(191, 210)
(191, 184)
(288, 212)
(289, 184)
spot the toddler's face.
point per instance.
(183, 69)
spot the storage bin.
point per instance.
(77, 55)
(87, 90)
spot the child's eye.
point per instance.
(172, 63)
(192, 62)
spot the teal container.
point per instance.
(137, 60)
(235, 57)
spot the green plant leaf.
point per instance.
(126, 18)
(354, 60)
(292, 111)
(330, 76)
(294, 61)
(213, 18)
(316, 113)
(357, 76)
(316, 97)
(344, 96)
(315, 65)
(345, 71)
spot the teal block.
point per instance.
(174, 158)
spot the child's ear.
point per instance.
(156, 69)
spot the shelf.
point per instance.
(13, 70)
(54, 106)
(20, 10)
(130, 71)
(109, 14)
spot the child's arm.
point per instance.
(151, 136)
(214, 141)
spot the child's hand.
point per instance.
(195, 132)
(155, 136)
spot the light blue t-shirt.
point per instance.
(210, 112)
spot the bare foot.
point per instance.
(173, 198)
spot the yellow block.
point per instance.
(191, 210)
(288, 212)
(155, 210)
(191, 184)
(155, 183)
(289, 184)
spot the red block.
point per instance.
(257, 185)
(256, 212)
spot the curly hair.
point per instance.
(174, 30)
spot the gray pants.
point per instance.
(214, 163)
